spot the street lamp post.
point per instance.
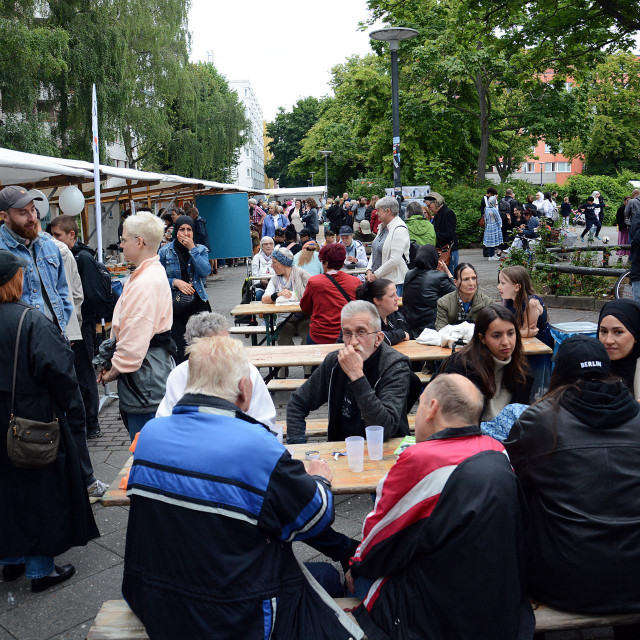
(326, 153)
(312, 174)
(541, 167)
(393, 35)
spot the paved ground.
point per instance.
(67, 611)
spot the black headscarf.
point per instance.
(427, 257)
(181, 251)
(628, 312)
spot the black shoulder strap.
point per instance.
(340, 289)
(15, 359)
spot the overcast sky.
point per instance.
(285, 48)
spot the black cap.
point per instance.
(9, 265)
(15, 197)
(581, 355)
(345, 230)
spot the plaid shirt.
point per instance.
(257, 214)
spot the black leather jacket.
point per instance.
(422, 290)
(578, 461)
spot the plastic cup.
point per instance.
(278, 429)
(355, 453)
(375, 437)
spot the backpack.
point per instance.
(102, 300)
(504, 208)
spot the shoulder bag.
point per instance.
(339, 288)
(30, 444)
(181, 301)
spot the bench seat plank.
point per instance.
(115, 621)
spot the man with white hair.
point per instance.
(204, 325)
(366, 382)
(141, 325)
(442, 552)
(216, 504)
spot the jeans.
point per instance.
(491, 251)
(635, 289)
(36, 566)
(453, 263)
(327, 577)
(399, 288)
(135, 421)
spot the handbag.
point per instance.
(181, 301)
(482, 222)
(444, 254)
(30, 444)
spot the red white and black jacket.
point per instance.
(444, 545)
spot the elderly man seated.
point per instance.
(441, 553)
(206, 325)
(366, 382)
(216, 503)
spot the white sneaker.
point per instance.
(494, 258)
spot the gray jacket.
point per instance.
(448, 307)
(383, 404)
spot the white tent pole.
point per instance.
(96, 171)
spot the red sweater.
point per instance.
(323, 302)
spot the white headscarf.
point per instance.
(539, 200)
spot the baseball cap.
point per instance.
(345, 230)
(15, 197)
(580, 355)
(435, 197)
(9, 265)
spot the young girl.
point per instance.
(565, 211)
(518, 296)
(494, 361)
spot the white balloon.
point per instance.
(71, 201)
(41, 205)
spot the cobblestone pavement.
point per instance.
(67, 611)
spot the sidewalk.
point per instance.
(67, 610)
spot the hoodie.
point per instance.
(421, 231)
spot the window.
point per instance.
(567, 86)
(248, 172)
(246, 152)
(529, 167)
(563, 167)
(547, 148)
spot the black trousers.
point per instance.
(180, 324)
(87, 380)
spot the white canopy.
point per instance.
(302, 192)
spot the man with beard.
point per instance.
(45, 284)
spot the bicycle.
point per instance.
(623, 286)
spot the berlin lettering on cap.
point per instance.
(15, 197)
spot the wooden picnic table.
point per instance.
(270, 313)
(344, 481)
(355, 272)
(314, 354)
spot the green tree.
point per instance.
(610, 97)
(287, 131)
(473, 54)
(206, 120)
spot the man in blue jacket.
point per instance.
(216, 503)
(45, 284)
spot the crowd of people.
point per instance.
(504, 497)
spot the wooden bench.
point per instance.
(115, 621)
(291, 384)
(249, 330)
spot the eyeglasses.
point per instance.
(360, 334)
(123, 239)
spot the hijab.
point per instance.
(426, 257)
(628, 313)
(181, 251)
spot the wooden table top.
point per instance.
(355, 272)
(314, 354)
(253, 308)
(344, 480)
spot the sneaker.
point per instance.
(94, 434)
(494, 258)
(97, 490)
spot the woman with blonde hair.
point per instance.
(141, 326)
(44, 511)
(308, 260)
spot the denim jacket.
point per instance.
(199, 267)
(51, 271)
